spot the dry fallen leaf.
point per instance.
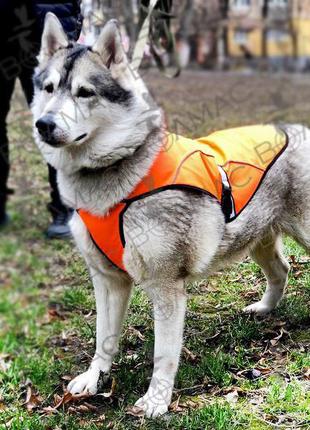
(135, 411)
(66, 378)
(307, 373)
(112, 390)
(33, 400)
(275, 340)
(91, 407)
(136, 332)
(189, 354)
(52, 314)
(232, 397)
(214, 336)
(83, 408)
(68, 398)
(174, 406)
(48, 410)
(264, 370)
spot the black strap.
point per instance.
(227, 200)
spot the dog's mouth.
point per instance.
(54, 142)
(80, 137)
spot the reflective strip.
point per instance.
(227, 190)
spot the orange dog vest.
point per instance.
(228, 165)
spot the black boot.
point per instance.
(59, 228)
(4, 218)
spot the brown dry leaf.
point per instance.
(192, 403)
(57, 399)
(231, 389)
(214, 336)
(136, 332)
(66, 378)
(189, 354)
(91, 407)
(175, 406)
(279, 323)
(54, 313)
(2, 406)
(276, 339)
(249, 294)
(99, 419)
(84, 408)
(232, 397)
(51, 315)
(33, 400)
(263, 370)
(48, 410)
(68, 398)
(89, 314)
(135, 411)
(307, 373)
(112, 390)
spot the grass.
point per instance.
(47, 307)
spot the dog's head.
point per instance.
(88, 95)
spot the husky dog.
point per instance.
(96, 123)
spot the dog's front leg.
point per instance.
(169, 303)
(112, 295)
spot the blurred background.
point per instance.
(218, 34)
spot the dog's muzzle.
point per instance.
(46, 126)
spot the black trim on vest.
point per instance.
(104, 254)
(227, 200)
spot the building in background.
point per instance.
(273, 33)
(221, 33)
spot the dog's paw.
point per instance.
(258, 308)
(157, 399)
(86, 383)
(151, 407)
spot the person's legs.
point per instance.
(61, 214)
(6, 89)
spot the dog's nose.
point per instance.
(46, 126)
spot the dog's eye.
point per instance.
(49, 88)
(85, 93)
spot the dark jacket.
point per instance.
(24, 19)
(68, 12)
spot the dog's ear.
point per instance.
(109, 45)
(53, 37)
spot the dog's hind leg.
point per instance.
(301, 233)
(268, 255)
(112, 295)
(169, 301)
